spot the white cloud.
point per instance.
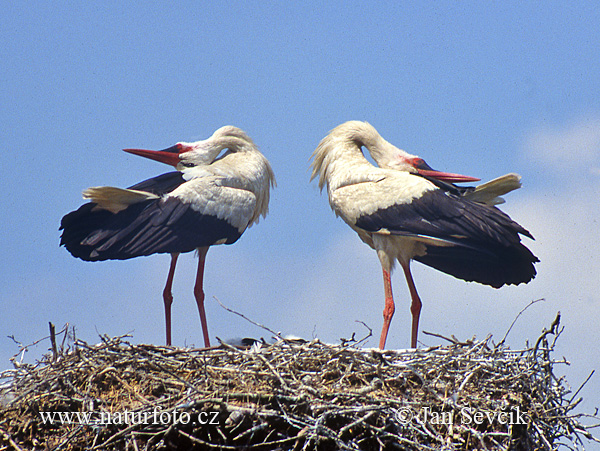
(566, 148)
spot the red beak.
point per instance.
(168, 156)
(447, 176)
(426, 170)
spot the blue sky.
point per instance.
(475, 88)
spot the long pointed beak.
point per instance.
(426, 170)
(168, 156)
(447, 176)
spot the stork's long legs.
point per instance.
(415, 307)
(168, 296)
(199, 293)
(388, 310)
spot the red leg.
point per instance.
(199, 293)
(415, 307)
(388, 310)
(168, 296)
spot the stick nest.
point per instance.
(289, 395)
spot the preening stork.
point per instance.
(211, 199)
(406, 210)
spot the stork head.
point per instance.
(389, 156)
(184, 155)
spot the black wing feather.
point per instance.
(149, 227)
(487, 246)
(163, 184)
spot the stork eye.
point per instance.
(187, 164)
(419, 163)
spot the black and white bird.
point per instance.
(406, 210)
(211, 199)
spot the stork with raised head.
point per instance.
(406, 210)
(211, 199)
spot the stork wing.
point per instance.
(116, 199)
(466, 239)
(160, 185)
(438, 214)
(488, 193)
(175, 223)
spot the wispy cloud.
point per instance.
(566, 148)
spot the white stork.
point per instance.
(407, 211)
(211, 199)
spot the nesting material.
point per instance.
(290, 395)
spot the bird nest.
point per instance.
(291, 394)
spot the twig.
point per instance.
(546, 332)
(517, 317)
(581, 386)
(277, 334)
(53, 341)
(452, 340)
(7, 436)
(366, 337)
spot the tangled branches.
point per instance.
(291, 394)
